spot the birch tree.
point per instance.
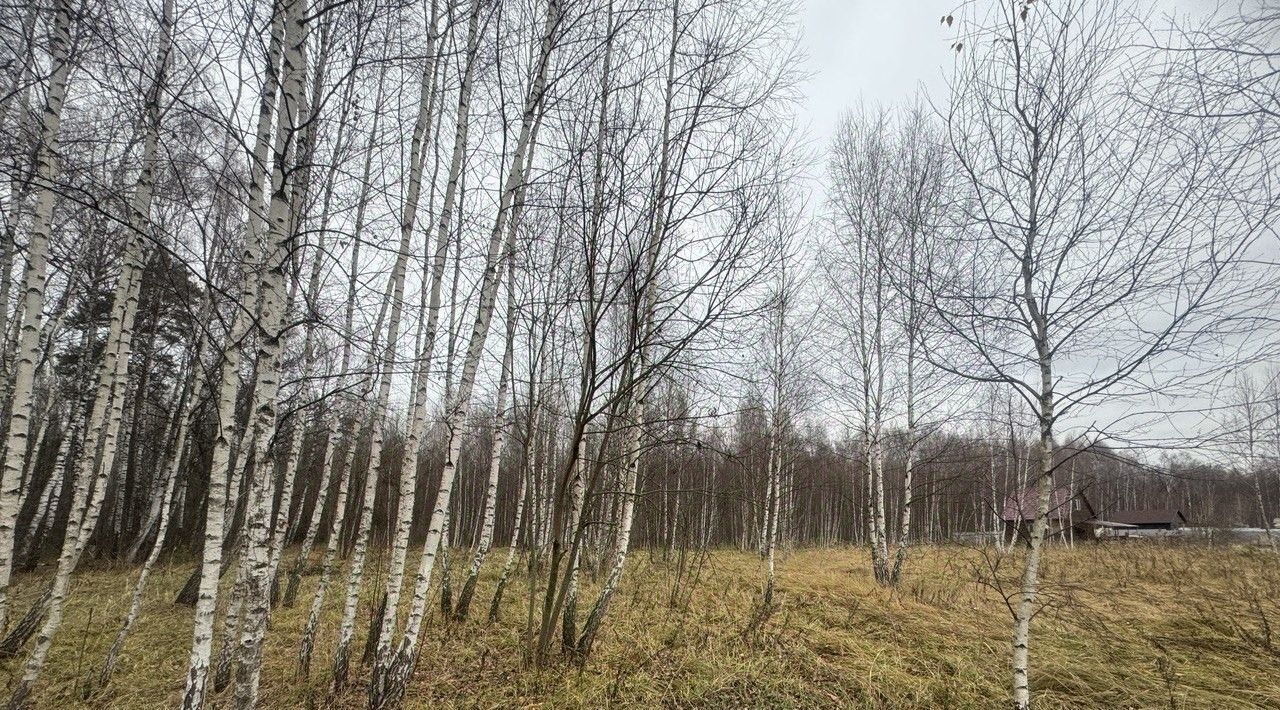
(392, 674)
(390, 599)
(502, 421)
(33, 293)
(272, 304)
(220, 485)
(113, 368)
(1086, 197)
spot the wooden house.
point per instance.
(1070, 515)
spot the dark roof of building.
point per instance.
(1157, 516)
(1021, 506)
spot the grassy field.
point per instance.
(1124, 627)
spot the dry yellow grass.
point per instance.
(1128, 627)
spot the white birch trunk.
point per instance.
(330, 419)
(19, 186)
(112, 384)
(218, 511)
(62, 469)
(577, 488)
(91, 481)
(771, 536)
(417, 410)
(1025, 607)
(281, 528)
(33, 291)
(186, 411)
(509, 563)
(622, 536)
(501, 424)
(904, 529)
(264, 409)
(307, 643)
(359, 551)
(387, 688)
(384, 628)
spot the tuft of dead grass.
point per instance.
(1126, 627)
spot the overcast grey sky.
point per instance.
(881, 52)
(876, 51)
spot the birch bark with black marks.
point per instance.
(501, 423)
(307, 643)
(27, 351)
(221, 483)
(305, 147)
(385, 629)
(387, 687)
(273, 303)
(327, 420)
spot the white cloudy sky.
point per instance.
(874, 51)
(883, 51)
